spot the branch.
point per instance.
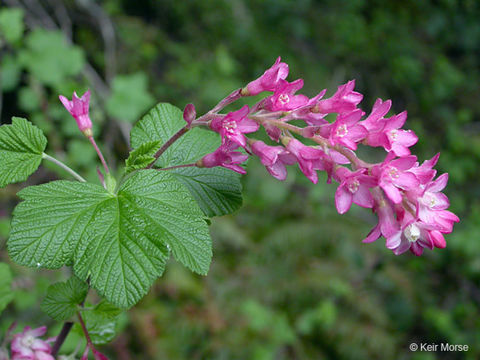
(165, 146)
(61, 337)
(108, 34)
(177, 167)
(62, 16)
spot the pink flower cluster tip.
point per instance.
(78, 108)
(407, 198)
(27, 345)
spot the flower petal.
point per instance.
(363, 197)
(343, 199)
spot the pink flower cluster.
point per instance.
(27, 345)
(411, 209)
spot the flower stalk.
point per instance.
(64, 167)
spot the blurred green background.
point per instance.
(290, 277)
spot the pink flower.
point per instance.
(425, 172)
(432, 198)
(189, 114)
(309, 159)
(392, 138)
(27, 346)
(273, 132)
(393, 175)
(274, 158)
(344, 100)
(305, 112)
(284, 98)
(234, 125)
(432, 205)
(269, 80)
(387, 223)
(225, 156)
(414, 236)
(354, 187)
(78, 108)
(375, 121)
(421, 220)
(346, 131)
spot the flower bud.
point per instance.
(78, 108)
(189, 114)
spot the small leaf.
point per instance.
(21, 148)
(142, 156)
(218, 191)
(10, 72)
(107, 310)
(49, 58)
(6, 294)
(11, 24)
(63, 298)
(101, 322)
(110, 183)
(100, 329)
(130, 97)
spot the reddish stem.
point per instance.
(100, 155)
(232, 97)
(177, 167)
(85, 332)
(169, 142)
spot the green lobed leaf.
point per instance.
(49, 58)
(10, 72)
(119, 241)
(107, 310)
(130, 97)
(63, 298)
(11, 24)
(21, 148)
(101, 330)
(101, 322)
(142, 156)
(217, 190)
(6, 294)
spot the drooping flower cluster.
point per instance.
(411, 209)
(27, 345)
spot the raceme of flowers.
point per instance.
(411, 209)
(404, 193)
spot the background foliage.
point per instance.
(290, 278)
